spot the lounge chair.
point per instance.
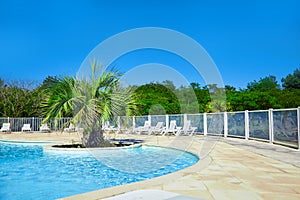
(5, 127)
(26, 127)
(71, 128)
(145, 128)
(125, 130)
(187, 129)
(173, 129)
(44, 128)
(156, 129)
(108, 127)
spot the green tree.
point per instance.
(187, 99)
(152, 94)
(203, 97)
(288, 98)
(230, 88)
(89, 102)
(246, 100)
(195, 85)
(169, 84)
(292, 81)
(17, 99)
(2, 84)
(264, 84)
(218, 102)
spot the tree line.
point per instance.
(25, 98)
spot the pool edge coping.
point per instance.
(145, 184)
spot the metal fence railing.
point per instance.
(16, 124)
(279, 126)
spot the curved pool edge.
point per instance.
(27, 142)
(153, 183)
(60, 149)
(225, 150)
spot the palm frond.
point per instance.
(88, 101)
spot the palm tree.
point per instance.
(89, 102)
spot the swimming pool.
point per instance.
(29, 172)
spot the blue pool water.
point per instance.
(29, 172)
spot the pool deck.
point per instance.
(229, 168)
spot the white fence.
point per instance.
(16, 124)
(279, 126)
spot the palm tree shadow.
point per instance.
(125, 142)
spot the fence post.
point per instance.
(184, 119)
(271, 134)
(225, 124)
(167, 122)
(246, 124)
(205, 123)
(33, 124)
(298, 120)
(149, 119)
(133, 122)
(119, 122)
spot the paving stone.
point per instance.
(234, 169)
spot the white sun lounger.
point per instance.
(71, 128)
(187, 129)
(5, 127)
(173, 129)
(108, 127)
(144, 128)
(26, 127)
(156, 129)
(44, 128)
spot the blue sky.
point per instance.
(246, 39)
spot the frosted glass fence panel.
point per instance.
(158, 118)
(285, 127)
(125, 122)
(113, 122)
(236, 124)
(279, 125)
(259, 125)
(196, 121)
(178, 118)
(215, 123)
(140, 120)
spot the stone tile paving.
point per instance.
(228, 169)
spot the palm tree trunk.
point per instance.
(94, 138)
